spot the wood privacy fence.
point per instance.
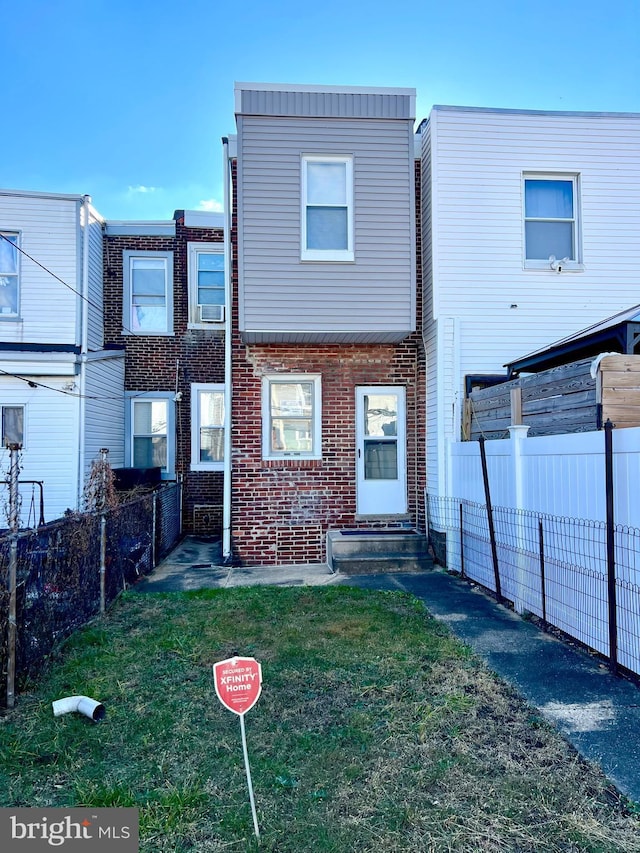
(565, 399)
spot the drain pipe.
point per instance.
(82, 704)
(228, 299)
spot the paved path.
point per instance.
(596, 711)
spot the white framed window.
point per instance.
(291, 416)
(12, 425)
(148, 293)
(207, 427)
(206, 283)
(9, 275)
(327, 208)
(151, 431)
(551, 221)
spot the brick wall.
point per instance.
(282, 509)
(171, 363)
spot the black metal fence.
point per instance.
(559, 569)
(58, 572)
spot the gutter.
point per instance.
(226, 492)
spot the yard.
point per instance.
(376, 731)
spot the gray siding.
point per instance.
(96, 321)
(326, 104)
(372, 298)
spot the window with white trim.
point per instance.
(551, 226)
(206, 283)
(12, 425)
(291, 416)
(9, 275)
(207, 427)
(151, 431)
(327, 208)
(148, 293)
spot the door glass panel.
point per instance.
(381, 414)
(380, 460)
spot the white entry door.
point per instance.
(381, 451)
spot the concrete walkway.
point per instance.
(597, 712)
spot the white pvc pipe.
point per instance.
(82, 704)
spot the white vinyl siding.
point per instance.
(207, 427)
(51, 421)
(291, 416)
(95, 310)
(104, 409)
(48, 229)
(473, 236)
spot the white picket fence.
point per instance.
(556, 483)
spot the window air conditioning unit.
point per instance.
(210, 313)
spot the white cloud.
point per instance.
(211, 205)
(142, 189)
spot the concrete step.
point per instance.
(381, 564)
(377, 550)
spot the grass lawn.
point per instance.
(376, 731)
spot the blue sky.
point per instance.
(127, 100)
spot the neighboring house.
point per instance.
(328, 369)
(60, 389)
(165, 296)
(530, 227)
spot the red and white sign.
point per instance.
(238, 683)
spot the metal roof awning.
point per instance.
(618, 333)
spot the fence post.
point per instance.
(543, 589)
(611, 548)
(492, 533)
(461, 540)
(14, 525)
(518, 433)
(154, 529)
(104, 453)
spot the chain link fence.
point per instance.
(58, 572)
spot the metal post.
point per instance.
(543, 588)
(611, 548)
(154, 530)
(14, 524)
(461, 541)
(252, 802)
(492, 532)
(104, 453)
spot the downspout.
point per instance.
(84, 344)
(226, 492)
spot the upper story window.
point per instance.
(552, 236)
(291, 416)
(206, 283)
(207, 427)
(148, 293)
(327, 208)
(151, 431)
(9, 274)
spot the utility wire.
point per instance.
(86, 299)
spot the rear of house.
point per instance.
(328, 375)
(60, 388)
(529, 233)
